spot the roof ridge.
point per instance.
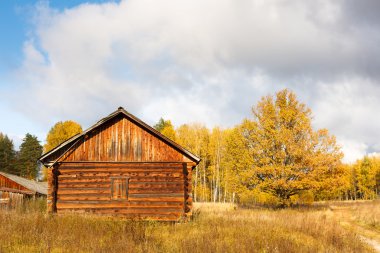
(136, 120)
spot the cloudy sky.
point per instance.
(204, 61)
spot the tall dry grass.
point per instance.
(368, 214)
(214, 228)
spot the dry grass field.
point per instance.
(324, 227)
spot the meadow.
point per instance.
(220, 227)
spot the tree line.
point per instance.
(23, 162)
(275, 157)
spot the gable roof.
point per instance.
(68, 144)
(40, 187)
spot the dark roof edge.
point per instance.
(136, 120)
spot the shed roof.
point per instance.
(120, 111)
(39, 187)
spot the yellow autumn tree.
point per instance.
(196, 138)
(59, 133)
(367, 174)
(217, 169)
(332, 177)
(277, 155)
(166, 128)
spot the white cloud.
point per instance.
(206, 61)
(374, 154)
(352, 150)
(348, 107)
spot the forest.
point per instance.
(273, 158)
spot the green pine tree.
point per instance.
(30, 150)
(7, 154)
(160, 125)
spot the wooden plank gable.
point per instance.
(119, 140)
(119, 137)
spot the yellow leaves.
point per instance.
(279, 150)
(194, 137)
(60, 132)
(366, 177)
(166, 128)
(169, 131)
(275, 157)
(303, 198)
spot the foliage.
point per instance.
(160, 125)
(30, 151)
(60, 132)
(280, 154)
(216, 167)
(365, 178)
(166, 128)
(7, 154)
(196, 138)
(274, 158)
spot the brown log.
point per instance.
(114, 204)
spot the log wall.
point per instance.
(158, 191)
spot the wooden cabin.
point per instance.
(121, 166)
(14, 189)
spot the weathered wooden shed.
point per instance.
(121, 166)
(14, 189)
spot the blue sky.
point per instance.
(13, 26)
(205, 61)
(16, 25)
